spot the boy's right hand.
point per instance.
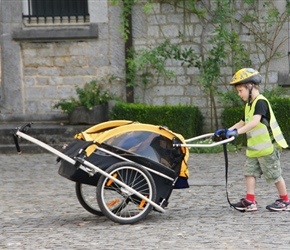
(221, 133)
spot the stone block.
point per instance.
(176, 100)
(171, 31)
(46, 71)
(42, 81)
(78, 71)
(167, 8)
(98, 61)
(37, 62)
(68, 80)
(29, 81)
(33, 93)
(49, 92)
(153, 31)
(156, 20)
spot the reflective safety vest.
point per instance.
(259, 140)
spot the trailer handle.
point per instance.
(22, 129)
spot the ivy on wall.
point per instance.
(220, 52)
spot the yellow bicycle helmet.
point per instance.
(246, 75)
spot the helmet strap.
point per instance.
(250, 93)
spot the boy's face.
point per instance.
(243, 92)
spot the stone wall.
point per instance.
(51, 71)
(167, 21)
(45, 63)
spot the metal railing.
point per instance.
(57, 11)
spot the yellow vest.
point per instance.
(259, 141)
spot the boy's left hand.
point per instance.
(231, 133)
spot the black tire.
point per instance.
(117, 203)
(87, 196)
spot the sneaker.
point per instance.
(279, 205)
(245, 205)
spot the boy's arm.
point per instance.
(238, 125)
(247, 127)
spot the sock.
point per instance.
(285, 197)
(251, 197)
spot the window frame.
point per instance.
(30, 17)
(48, 32)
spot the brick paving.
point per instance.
(39, 210)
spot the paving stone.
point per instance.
(39, 210)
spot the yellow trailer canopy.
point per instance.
(151, 141)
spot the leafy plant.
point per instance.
(275, 92)
(231, 98)
(67, 106)
(151, 63)
(126, 6)
(90, 95)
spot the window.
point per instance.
(56, 11)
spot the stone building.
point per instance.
(44, 57)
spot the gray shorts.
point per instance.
(268, 165)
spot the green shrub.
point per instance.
(185, 120)
(90, 95)
(211, 150)
(281, 107)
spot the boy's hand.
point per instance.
(231, 133)
(221, 133)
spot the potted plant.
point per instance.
(90, 106)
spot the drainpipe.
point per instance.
(128, 46)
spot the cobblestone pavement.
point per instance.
(39, 210)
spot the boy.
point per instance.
(264, 141)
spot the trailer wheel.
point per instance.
(119, 204)
(87, 196)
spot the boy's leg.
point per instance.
(272, 173)
(282, 204)
(281, 187)
(251, 184)
(251, 171)
(248, 203)
(251, 188)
